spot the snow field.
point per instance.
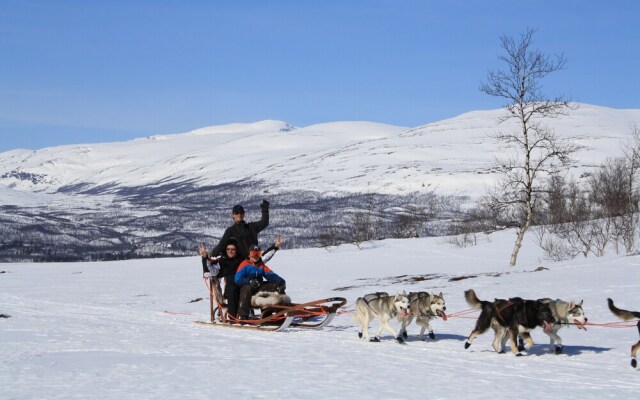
(100, 330)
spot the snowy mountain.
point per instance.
(451, 156)
(162, 194)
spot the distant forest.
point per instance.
(171, 220)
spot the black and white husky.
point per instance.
(515, 316)
(383, 307)
(424, 307)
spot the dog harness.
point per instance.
(377, 296)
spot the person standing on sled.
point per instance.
(245, 234)
(254, 276)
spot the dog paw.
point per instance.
(521, 348)
(405, 335)
(374, 339)
(400, 340)
(432, 335)
(634, 363)
(519, 354)
(558, 350)
(467, 345)
(502, 352)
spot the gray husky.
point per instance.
(565, 313)
(383, 307)
(424, 307)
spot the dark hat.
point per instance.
(238, 209)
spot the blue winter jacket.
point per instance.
(248, 270)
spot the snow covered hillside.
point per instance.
(451, 156)
(100, 330)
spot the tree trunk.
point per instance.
(516, 247)
(523, 229)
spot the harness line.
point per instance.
(614, 324)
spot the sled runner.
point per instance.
(311, 315)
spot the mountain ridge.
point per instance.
(335, 156)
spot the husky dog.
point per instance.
(627, 316)
(383, 307)
(565, 313)
(424, 307)
(515, 316)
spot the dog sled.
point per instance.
(314, 314)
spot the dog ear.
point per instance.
(572, 305)
(580, 304)
(441, 295)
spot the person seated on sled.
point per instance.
(254, 276)
(226, 268)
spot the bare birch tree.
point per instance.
(538, 150)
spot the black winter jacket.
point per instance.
(228, 266)
(245, 234)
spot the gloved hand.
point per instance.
(264, 204)
(254, 284)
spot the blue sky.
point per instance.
(77, 71)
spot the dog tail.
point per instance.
(472, 299)
(623, 314)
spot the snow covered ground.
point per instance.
(100, 330)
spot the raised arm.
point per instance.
(264, 221)
(271, 251)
